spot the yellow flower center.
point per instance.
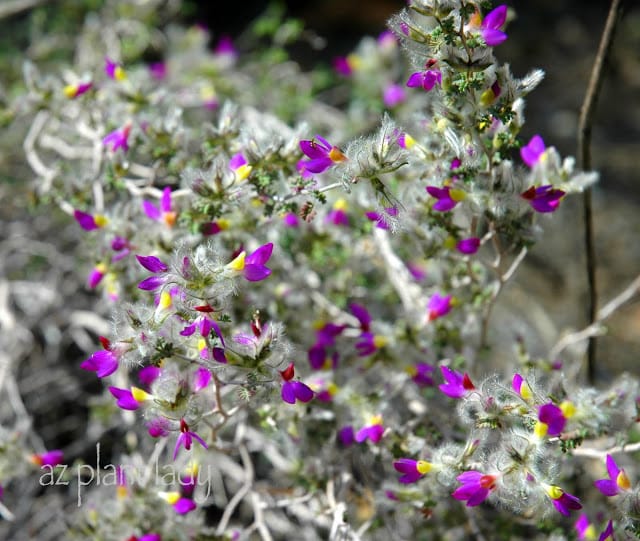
(423, 466)
(238, 263)
(139, 395)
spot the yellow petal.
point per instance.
(238, 263)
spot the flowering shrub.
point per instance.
(300, 299)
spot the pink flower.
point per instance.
(426, 79)
(103, 362)
(74, 90)
(90, 222)
(468, 246)
(438, 306)
(124, 398)
(447, 197)
(373, 431)
(412, 470)
(475, 487)
(562, 501)
(118, 138)
(253, 265)
(114, 70)
(457, 385)
(489, 28)
(533, 151)
(393, 95)
(321, 153)
(185, 439)
(162, 213)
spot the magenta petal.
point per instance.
(302, 391)
(237, 161)
(288, 393)
(86, 221)
(255, 273)
(148, 374)
(416, 80)
(152, 283)
(165, 202)
(532, 151)
(201, 379)
(105, 363)
(478, 497)
(261, 255)
(495, 18)
(405, 465)
(219, 356)
(124, 398)
(445, 205)
(152, 263)
(151, 210)
(184, 506)
(317, 165)
(468, 246)
(493, 37)
(361, 314)
(612, 468)
(317, 355)
(189, 329)
(607, 487)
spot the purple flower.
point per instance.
(149, 374)
(362, 315)
(321, 153)
(617, 482)
(185, 439)
(457, 385)
(124, 398)
(533, 151)
(369, 343)
(562, 501)
(421, 373)
(372, 432)
(74, 90)
(584, 528)
(114, 70)
(180, 504)
(118, 138)
(438, 306)
(489, 28)
(49, 458)
(158, 70)
(253, 265)
(342, 66)
(412, 470)
(240, 166)
(346, 436)
(468, 246)
(158, 427)
(225, 47)
(447, 197)
(162, 213)
(393, 95)
(551, 421)
(294, 390)
(157, 267)
(90, 222)
(544, 198)
(426, 79)
(204, 324)
(520, 386)
(103, 362)
(96, 275)
(338, 214)
(290, 219)
(201, 378)
(475, 487)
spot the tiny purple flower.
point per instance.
(421, 374)
(475, 487)
(438, 306)
(533, 151)
(321, 153)
(103, 363)
(118, 138)
(185, 439)
(294, 390)
(468, 246)
(162, 213)
(490, 26)
(346, 436)
(617, 482)
(551, 420)
(49, 458)
(372, 432)
(544, 198)
(457, 385)
(447, 197)
(393, 95)
(412, 470)
(124, 398)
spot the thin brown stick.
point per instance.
(587, 113)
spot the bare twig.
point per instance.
(584, 159)
(602, 453)
(242, 491)
(596, 329)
